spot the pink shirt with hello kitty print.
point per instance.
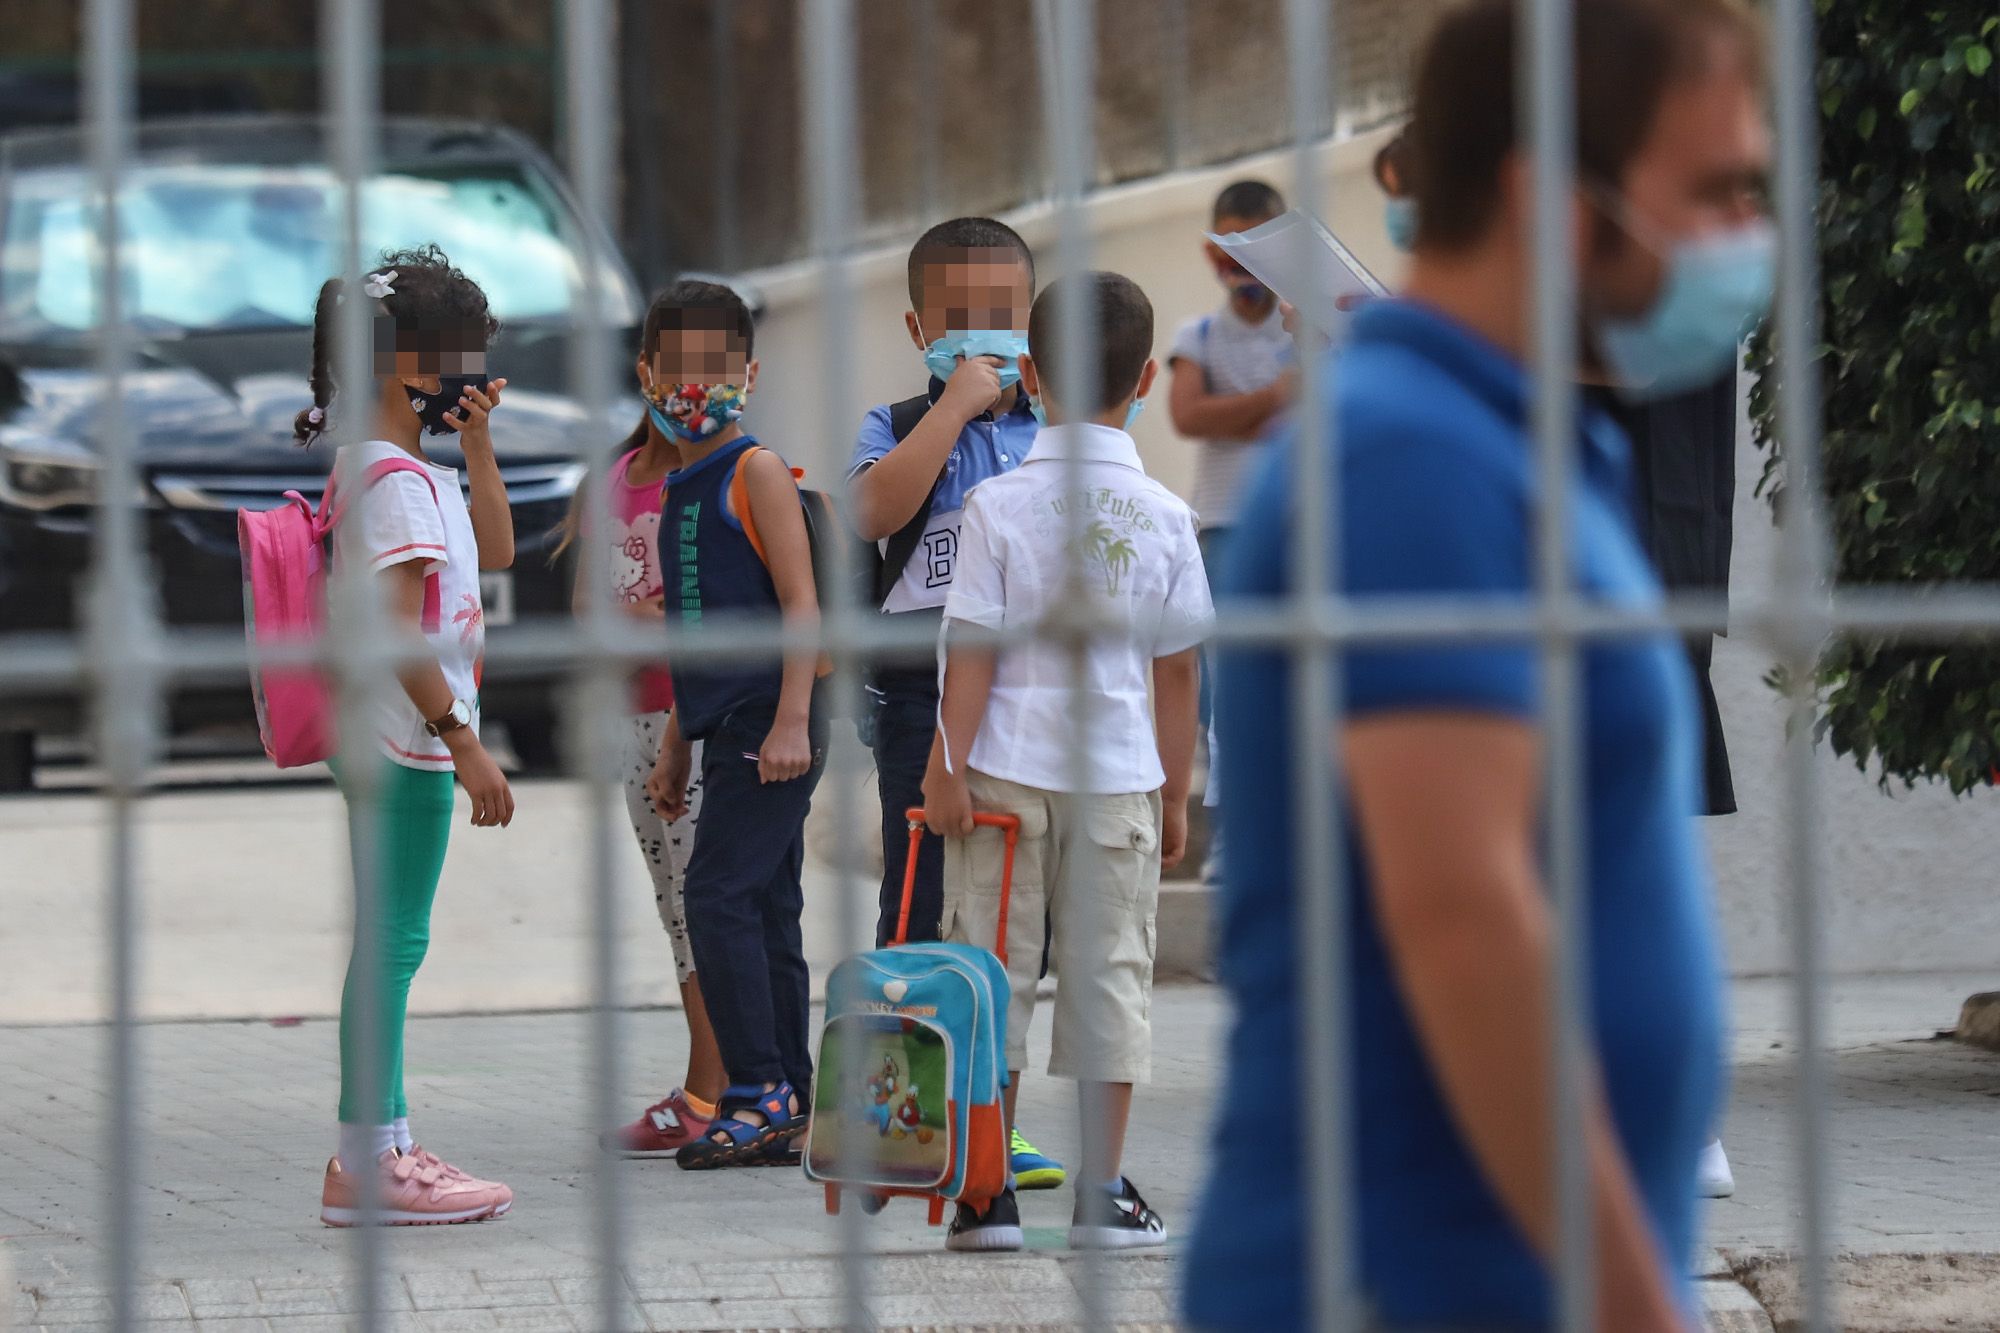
(635, 567)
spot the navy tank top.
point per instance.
(708, 565)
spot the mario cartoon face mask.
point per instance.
(693, 412)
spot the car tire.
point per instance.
(537, 745)
(17, 761)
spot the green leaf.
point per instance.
(1909, 102)
(1864, 123)
(1978, 59)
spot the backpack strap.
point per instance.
(903, 543)
(331, 510)
(739, 501)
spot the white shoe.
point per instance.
(1712, 1173)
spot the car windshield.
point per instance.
(208, 246)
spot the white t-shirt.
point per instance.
(398, 519)
(1236, 357)
(1142, 575)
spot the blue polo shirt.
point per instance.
(987, 446)
(1437, 479)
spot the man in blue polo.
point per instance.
(1449, 957)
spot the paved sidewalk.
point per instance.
(236, 1126)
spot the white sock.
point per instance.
(361, 1144)
(401, 1126)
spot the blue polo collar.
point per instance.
(1494, 376)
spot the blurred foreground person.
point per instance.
(1450, 932)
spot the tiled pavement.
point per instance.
(236, 1127)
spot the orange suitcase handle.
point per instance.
(1010, 828)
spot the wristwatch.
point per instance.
(458, 715)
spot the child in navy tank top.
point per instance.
(737, 544)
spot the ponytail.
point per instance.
(310, 424)
(571, 526)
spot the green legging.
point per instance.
(413, 825)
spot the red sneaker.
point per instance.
(661, 1131)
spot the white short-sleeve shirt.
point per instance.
(1141, 575)
(399, 519)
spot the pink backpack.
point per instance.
(286, 555)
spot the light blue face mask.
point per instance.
(942, 357)
(1400, 216)
(1717, 288)
(1131, 413)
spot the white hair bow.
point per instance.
(377, 285)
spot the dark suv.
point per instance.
(230, 225)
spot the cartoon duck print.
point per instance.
(909, 1118)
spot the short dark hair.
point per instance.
(1629, 53)
(692, 303)
(430, 301)
(1124, 336)
(1251, 200)
(955, 239)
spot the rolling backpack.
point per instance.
(286, 558)
(929, 1025)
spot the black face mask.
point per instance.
(431, 407)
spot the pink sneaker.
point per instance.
(414, 1192)
(661, 1131)
(504, 1197)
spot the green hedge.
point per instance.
(1909, 219)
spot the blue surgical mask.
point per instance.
(1131, 413)
(1717, 288)
(942, 357)
(1400, 215)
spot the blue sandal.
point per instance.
(732, 1141)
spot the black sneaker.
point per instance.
(1114, 1220)
(998, 1228)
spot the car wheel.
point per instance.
(536, 745)
(17, 761)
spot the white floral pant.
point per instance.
(666, 846)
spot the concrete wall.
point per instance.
(1151, 232)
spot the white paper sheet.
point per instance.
(1298, 258)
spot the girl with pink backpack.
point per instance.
(411, 527)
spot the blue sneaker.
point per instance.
(1032, 1171)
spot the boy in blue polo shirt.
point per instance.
(972, 281)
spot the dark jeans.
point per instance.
(744, 902)
(905, 707)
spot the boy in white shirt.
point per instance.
(1078, 530)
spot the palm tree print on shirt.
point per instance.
(1112, 554)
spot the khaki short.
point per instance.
(1103, 933)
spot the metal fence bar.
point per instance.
(1067, 32)
(1547, 93)
(1174, 79)
(125, 688)
(350, 41)
(1320, 902)
(598, 686)
(829, 54)
(1803, 574)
